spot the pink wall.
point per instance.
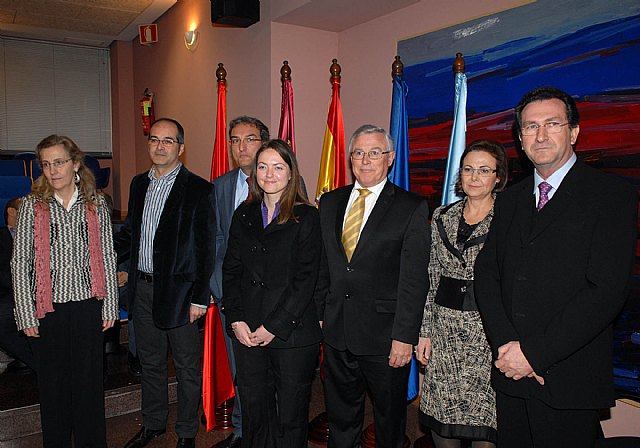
(309, 52)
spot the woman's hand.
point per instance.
(106, 324)
(32, 332)
(262, 336)
(123, 278)
(423, 351)
(243, 333)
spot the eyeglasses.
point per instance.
(552, 127)
(374, 154)
(154, 141)
(58, 163)
(483, 171)
(235, 141)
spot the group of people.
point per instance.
(507, 297)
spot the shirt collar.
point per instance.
(73, 200)
(171, 175)
(557, 177)
(376, 189)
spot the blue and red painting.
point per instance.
(589, 49)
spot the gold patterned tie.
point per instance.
(352, 224)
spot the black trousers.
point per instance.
(347, 377)
(69, 358)
(530, 423)
(276, 390)
(152, 346)
(12, 341)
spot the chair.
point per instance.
(36, 170)
(13, 168)
(12, 187)
(102, 174)
(28, 157)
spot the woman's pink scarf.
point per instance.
(42, 245)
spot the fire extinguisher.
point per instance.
(147, 110)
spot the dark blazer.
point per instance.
(225, 201)
(555, 280)
(6, 249)
(183, 247)
(379, 296)
(269, 275)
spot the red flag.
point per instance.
(333, 165)
(217, 381)
(220, 158)
(286, 130)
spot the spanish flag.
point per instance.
(333, 166)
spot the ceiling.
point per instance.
(100, 22)
(83, 22)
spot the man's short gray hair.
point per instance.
(371, 129)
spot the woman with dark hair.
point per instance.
(457, 400)
(64, 280)
(269, 275)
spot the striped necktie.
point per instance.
(351, 229)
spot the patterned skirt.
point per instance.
(457, 400)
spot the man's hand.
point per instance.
(512, 362)
(423, 351)
(243, 333)
(196, 313)
(400, 354)
(262, 336)
(123, 278)
(32, 332)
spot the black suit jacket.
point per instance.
(555, 280)
(269, 275)
(379, 296)
(183, 247)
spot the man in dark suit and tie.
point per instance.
(168, 238)
(371, 292)
(552, 276)
(246, 135)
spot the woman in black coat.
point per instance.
(269, 275)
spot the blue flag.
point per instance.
(399, 175)
(399, 130)
(458, 141)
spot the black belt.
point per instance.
(146, 277)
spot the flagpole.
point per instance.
(399, 127)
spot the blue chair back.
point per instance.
(36, 171)
(12, 187)
(27, 156)
(101, 174)
(12, 168)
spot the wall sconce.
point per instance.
(191, 39)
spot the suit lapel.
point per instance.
(141, 193)
(341, 209)
(231, 185)
(175, 196)
(562, 200)
(377, 214)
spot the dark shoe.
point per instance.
(186, 442)
(135, 368)
(143, 437)
(233, 441)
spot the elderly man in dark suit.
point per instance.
(371, 292)
(552, 276)
(168, 238)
